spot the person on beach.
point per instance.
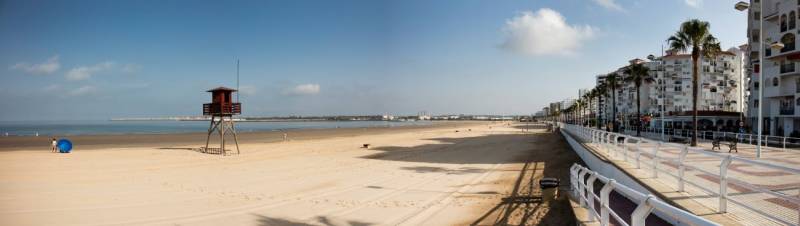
(54, 145)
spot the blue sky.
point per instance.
(103, 59)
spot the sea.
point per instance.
(105, 127)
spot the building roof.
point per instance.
(683, 55)
(222, 88)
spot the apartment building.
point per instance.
(781, 88)
(670, 89)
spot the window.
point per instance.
(797, 101)
(783, 23)
(755, 85)
(775, 81)
(755, 103)
(792, 20)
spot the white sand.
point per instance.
(433, 177)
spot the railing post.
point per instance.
(682, 167)
(642, 211)
(581, 175)
(572, 179)
(590, 199)
(784, 143)
(723, 184)
(625, 149)
(638, 153)
(604, 206)
(655, 159)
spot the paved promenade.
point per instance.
(759, 191)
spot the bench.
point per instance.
(715, 144)
(732, 146)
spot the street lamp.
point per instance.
(742, 6)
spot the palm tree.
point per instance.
(601, 90)
(587, 97)
(612, 81)
(637, 73)
(695, 35)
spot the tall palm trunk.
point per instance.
(613, 109)
(599, 111)
(638, 112)
(695, 56)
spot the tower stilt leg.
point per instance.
(235, 138)
(222, 136)
(210, 130)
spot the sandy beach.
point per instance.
(442, 174)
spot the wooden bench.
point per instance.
(715, 144)
(732, 146)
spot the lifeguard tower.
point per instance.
(221, 109)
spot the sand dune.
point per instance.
(431, 176)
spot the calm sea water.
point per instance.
(60, 128)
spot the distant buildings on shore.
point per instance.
(385, 117)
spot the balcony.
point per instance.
(787, 68)
(222, 109)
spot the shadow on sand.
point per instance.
(546, 151)
(270, 221)
(485, 149)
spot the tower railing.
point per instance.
(222, 108)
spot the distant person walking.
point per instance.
(54, 145)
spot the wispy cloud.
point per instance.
(694, 3)
(609, 4)
(51, 65)
(83, 90)
(544, 32)
(302, 90)
(86, 72)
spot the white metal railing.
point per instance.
(770, 141)
(582, 181)
(651, 155)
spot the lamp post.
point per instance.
(742, 6)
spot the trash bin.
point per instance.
(549, 188)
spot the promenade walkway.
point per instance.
(789, 157)
(733, 188)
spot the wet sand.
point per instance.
(92, 142)
(409, 176)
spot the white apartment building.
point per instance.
(671, 86)
(781, 88)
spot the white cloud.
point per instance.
(544, 32)
(85, 72)
(609, 4)
(694, 3)
(51, 65)
(83, 90)
(303, 90)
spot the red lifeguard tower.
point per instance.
(221, 109)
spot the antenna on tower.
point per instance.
(237, 79)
